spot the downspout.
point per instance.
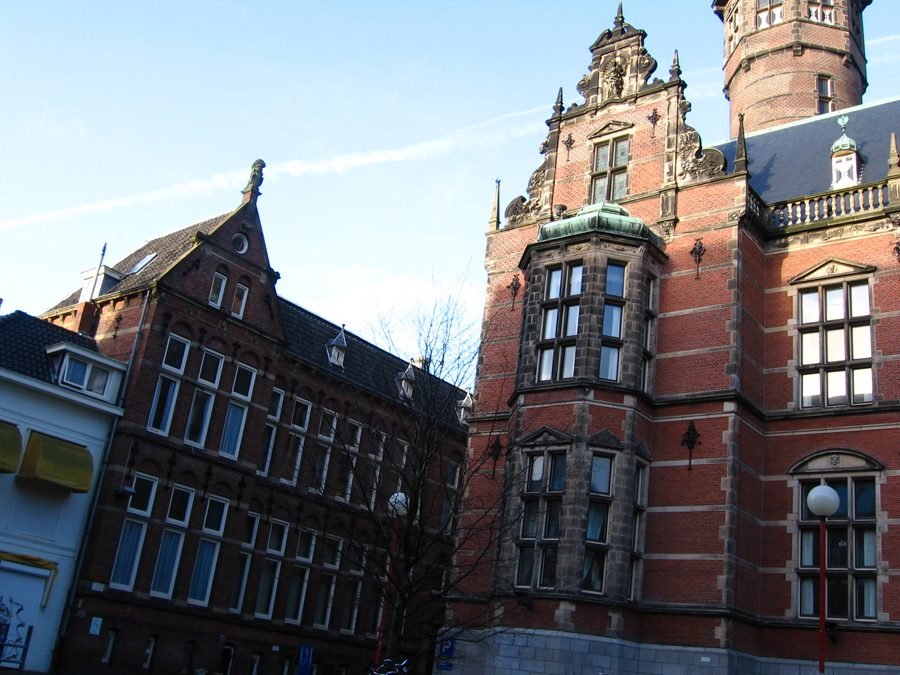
(79, 559)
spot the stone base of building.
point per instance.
(557, 653)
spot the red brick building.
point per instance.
(679, 343)
(243, 506)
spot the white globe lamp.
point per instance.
(398, 504)
(823, 501)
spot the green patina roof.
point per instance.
(602, 217)
(844, 143)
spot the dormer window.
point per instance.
(83, 375)
(336, 349)
(98, 282)
(845, 169)
(407, 381)
(464, 408)
(86, 371)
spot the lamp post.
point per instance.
(398, 504)
(822, 501)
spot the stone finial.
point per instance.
(558, 108)
(675, 70)
(494, 222)
(620, 18)
(740, 153)
(251, 192)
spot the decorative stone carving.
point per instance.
(666, 230)
(520, 209)
(695, 163)
(606, 439)
(614, 77)
(829, 234)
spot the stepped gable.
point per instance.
(794, 160)
(23, 343)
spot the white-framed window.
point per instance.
(769, 13)
(265, 453)
(211, 368)
(217, 290)
(327, 424)
(268, 585)
(356, 558)
(240, 301)
(198, 418)
(342, 480)
(294, 457)
(233, 430)
(560, 316)
(181, 500)
(300, 415)
(244, 378)
(167, 564)
(297, 595)
(331, 557)
(176, 354)
(128, 554)
(278, 532)
(240, 583)
(851, 550)
(319, 457)
(275, 404)
(351, 607)
(353, 435)
(609, 182)
(110, 642)
(214, 520)
(141, 502)
(251, 526)
(306, 545)
(204, 570)
(148, 652)
(374, 620)
(85, 376)
(835, 345)
(163, 405)
(322, 615)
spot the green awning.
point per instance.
(58, 461)
(10, 447)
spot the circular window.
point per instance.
(240, 243)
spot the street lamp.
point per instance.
(398, 505)
(822, 501)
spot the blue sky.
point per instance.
(383, 125)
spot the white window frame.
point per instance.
(168, 412)
(271, 430)
(353, 437)
(187, 347)
(356, 590)
(154, 485)
(301, 600)
(323, 585)
(239, 314)
(312, 545)
(337, 563)
(301, 402)
(209, 353)
(136, 560)
(217, 290)
(225, 504)
(252, 543)
(204, 601)
(268, 613)
(280, 394)
(326, 460)
(223, 452)
(324, 416)
(167, 593)
(83, 384)
(237, 370)
(298, 441)
(204, 428)
(284, 536)
(190, 505)
(247, 559)
(349, 458)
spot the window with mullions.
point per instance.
(821, 11)
(835, 345)
(769, 13)
(559, 323)
(596, 533)
(609, 182)
(851, 552)
(545, 482)
(825, 92)
(613, 312)
(637, 527)
(648, 341)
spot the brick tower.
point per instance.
(786, 60)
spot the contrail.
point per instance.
(889, 38)
(476, 135)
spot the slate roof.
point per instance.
(794, 160)
(365, 364)
(168, 249)
(23, 343)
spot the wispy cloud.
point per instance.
(878, 41)
(492, 132)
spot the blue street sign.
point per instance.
(445, 665)
(446, 648)
(304, 659)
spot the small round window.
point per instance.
(240, 243)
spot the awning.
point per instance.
(10, 447)
(57, 461)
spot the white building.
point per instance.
(58, 403)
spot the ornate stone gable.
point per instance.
(832, 269)
(546, 436)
